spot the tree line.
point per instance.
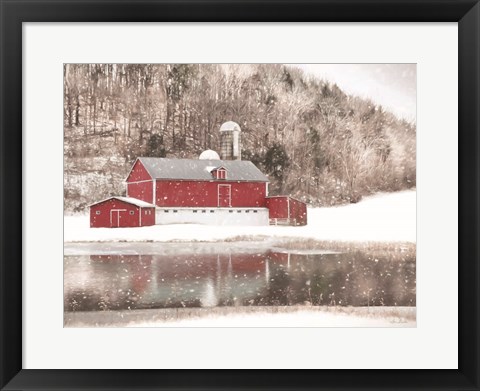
(313, 140)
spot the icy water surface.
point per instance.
(186, 276)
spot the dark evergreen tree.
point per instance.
(155, 147)
(276, 161)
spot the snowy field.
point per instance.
(296, 316)
(389, 217)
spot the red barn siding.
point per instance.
(148, 216)
(287, 209)
(140, 183)
(298, 211)
(248, 194)
(138, 173)
(117, 213)
(277, 207)
(141, 191)
(205, 194)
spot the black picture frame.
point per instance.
(15, 12)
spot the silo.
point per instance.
(230, 141)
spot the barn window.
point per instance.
(230, 211)
(204, 211)
(239, 211)
(195, 211)
(220, 173)
(132, 212)
(254, 211)
(175, 211)
(247, 211)
(97, 212)
(212, 211)
(165, 211)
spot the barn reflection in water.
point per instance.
(271, 278)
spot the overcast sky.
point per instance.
(393, 86)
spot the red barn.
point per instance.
(197, 183)
(284, 210)
(117, 212)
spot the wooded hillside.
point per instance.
(314, 141)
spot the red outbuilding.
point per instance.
(285, 210)
(117, 212)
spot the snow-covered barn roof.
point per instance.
(194, 169)
(128, 200)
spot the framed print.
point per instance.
(236, 190)
(215, 228)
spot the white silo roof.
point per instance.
(230, 126)
(209, 155)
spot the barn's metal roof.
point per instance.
(128, 200)
(194, 169)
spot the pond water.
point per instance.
(195, 277)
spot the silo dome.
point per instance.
(209, 155)
(230, 126)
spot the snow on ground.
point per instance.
(249, 317)
(385, 217)
(300, 319)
